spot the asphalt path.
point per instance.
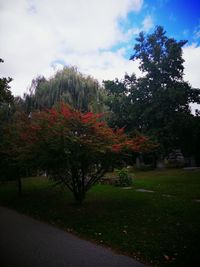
(26, 242)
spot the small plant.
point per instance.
(124, 179)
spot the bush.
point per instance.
(124, 179)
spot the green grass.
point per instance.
(156, 229)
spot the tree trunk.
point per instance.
(79, 197)
(78, 187)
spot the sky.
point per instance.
(39, 37)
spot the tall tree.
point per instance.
(155, 101)
(6, 101)
(68, 85)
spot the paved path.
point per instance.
(25, 242)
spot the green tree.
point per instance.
(154, 102)
(117, 101)
(13, 164)
(6, 100)
(5, 94)
(68, 85)
(6, 103)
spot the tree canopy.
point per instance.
(5, 93)
(6, 100)
(154, 102)
(68, 85)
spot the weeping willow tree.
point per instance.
(69, 86)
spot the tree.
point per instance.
(5, 94)
(156, 100)
(119, 102)
(68, 85)
(13, 162)
(116, 100)
(75, 149)
(6, 102)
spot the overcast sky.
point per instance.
(40, 36)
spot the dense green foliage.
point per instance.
(5, 93)
(160, 228)
(158, 102)
(6, 103)
(68, 85)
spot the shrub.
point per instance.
(124, 179)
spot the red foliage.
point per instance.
(116, 148)
(87, 129)
(73, 146)
(90, 117)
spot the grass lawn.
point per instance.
(160, 228)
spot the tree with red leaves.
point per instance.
(75, 149)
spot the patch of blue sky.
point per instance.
(180, 18)
(130, 29)
(125, 48)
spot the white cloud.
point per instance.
(104, 65)
(147, 23)
(35, 33)
(191, 54)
